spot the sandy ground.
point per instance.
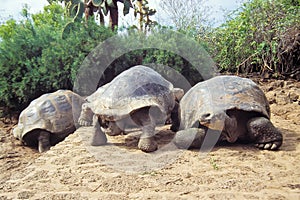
(74, 170)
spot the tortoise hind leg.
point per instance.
(44, 141)
(264, 133)
(115, 128)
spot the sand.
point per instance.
(74, 170)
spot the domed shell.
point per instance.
(55, 112)
(134, 88)
(222, 93)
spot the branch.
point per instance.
(245, 60)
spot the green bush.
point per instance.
(35, 59)
(163, 46)
(152, 56)
(259, 38)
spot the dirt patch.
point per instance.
(70, 171)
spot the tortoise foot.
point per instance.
(269, 146)
(189, 138)
(267, 136)
(84, 122)
(147, 144)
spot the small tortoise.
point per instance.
(49, 119)
(233, 106)
(140, 95)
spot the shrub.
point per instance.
(35, 59)
(262, 37)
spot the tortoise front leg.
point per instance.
(189, 138)
(86, 116)
(99, 137)
(264, 133)
(147, 142)
(44, 141)
(143, 119)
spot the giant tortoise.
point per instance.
(140, 95)
(49, 119)
(234, 107)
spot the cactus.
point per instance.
(76, 9)
(97, 3)
(79, 8)
(67, 29)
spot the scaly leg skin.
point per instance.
(147, 142)
(44, 141)
(189, 138)
(99, 137)
(143, 119)
(265, 135)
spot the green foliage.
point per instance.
(148, 57)
(164, 47)
(214, 164)
(255, 39)
(174, 61)
(34, 59)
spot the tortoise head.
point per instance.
(17, 132)
(213, 120)
(178, 93)
(222, 122)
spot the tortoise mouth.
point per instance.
(213, 124)
(205, 122)
(206, 119)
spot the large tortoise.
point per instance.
(49, 119)
(140, 95)
(233, 107)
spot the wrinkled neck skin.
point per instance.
(231, 130)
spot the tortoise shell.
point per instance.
(133, 89)
(55, 112)
(222, 93)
